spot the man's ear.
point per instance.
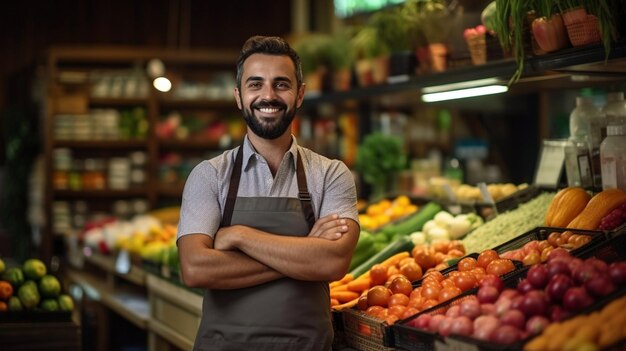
(301, 94)
(237, 98)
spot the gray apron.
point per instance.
(285, 314)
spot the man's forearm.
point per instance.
(304, 258)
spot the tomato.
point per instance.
(378, 296)
(374, 311)
(465, 281)
(552, 237)
(378, 274)
(532, 259)
(425, 260)
(401, 285)
(436, 275)
(448, 293)
(411, 270)
(408, 312)
(397, 310)
(441, 246)
(398, 299)
(545, 253)
(362, 303)
(430, 292)
(455, 253)
(467, 264)
(392, 318)
(446, 283)
(456, 245)
(430, 303)
(485, 257)
(500, 267)
(542, 245)
(478, 272)
(416, 302)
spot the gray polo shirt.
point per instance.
(330, 183)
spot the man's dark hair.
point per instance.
(268, 46)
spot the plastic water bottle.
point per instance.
(614, 109)
(613, 158)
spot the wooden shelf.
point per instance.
(136, 274)
(106, 193)
(173, 190)
(186, 144)
(105, 101)
(129, 304)
(169, 102)
(583, 60)
(102, 144)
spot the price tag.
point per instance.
(487, 197)
(454, 207)
(122, 262)
(551, 161)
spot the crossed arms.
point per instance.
(241, 256)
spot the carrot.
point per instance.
(343, 287)
(345, 305)
(344, 296)
(395, 259)
(346, 279)
(360, 284)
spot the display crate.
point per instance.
(35, 336)
(542, 233)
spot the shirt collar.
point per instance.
(249, 152)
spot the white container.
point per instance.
(613, 158)
(615, 109)
(586, 123)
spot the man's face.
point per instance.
(269, 95)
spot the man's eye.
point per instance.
(254, 85)
(282, 85)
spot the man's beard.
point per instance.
(268, 131)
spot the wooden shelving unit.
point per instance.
(73, 74)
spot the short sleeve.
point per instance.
(200, 211)
(339, 196)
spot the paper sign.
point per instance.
(550, 166)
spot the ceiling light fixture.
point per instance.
(464, 93)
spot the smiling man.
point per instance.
(266, 225)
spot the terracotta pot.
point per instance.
(380, 69)
(342, 79)
(363, 68)
(423, 59)
(438, 57)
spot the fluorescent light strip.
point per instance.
(465, 93)
(461, 85)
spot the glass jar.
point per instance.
(613, 158)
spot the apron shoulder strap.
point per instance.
(303, 193)
(233, 188)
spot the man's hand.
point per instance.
(330, 227)
(222, 240)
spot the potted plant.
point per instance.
(380, 158)
(511, 26)
(367, 48)
(341, 59)
(436, 27)
(313, 50)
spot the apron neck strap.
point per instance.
(233, 188)
(303, 192)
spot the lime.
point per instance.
(34, 268)
(50, 305)
(2, 266)
(14, 275)
(15, 304)
(49, 286)
(65, 302)
(29, 296)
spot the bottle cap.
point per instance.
(583, 100)
(616, 129)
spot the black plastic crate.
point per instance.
(542, 233)
(410, 338)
